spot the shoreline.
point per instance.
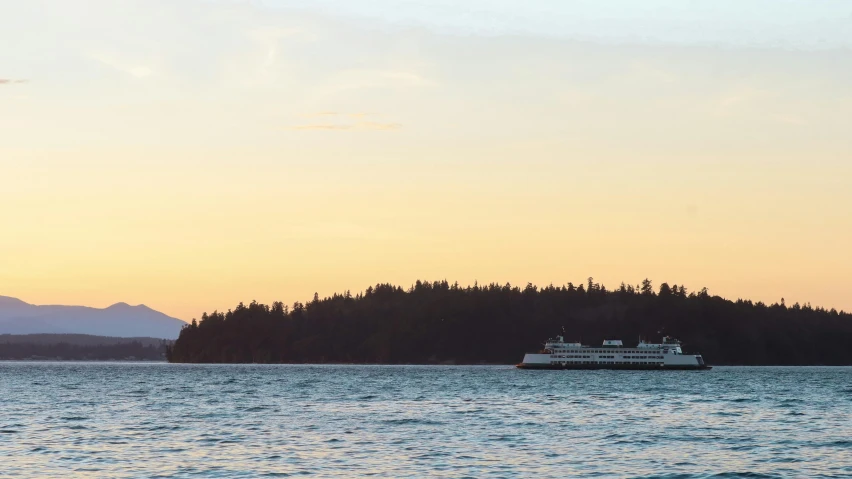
(511, 365)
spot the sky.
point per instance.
(189, 155)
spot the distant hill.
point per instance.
(80, 347)
(77, 340)
(119, 320)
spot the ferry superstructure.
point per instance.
(612, 354)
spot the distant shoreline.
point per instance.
(84, 361)
(157, 361)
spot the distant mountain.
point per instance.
(119, 320)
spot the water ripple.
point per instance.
(159, 420)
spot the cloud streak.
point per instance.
(345, 122)
(360, 126)
(342, 230)
(357, 79)
(134, 70)
(8, 81)
(322, 127)
(369, 125)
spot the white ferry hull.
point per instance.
(564, 356)
(623, 367)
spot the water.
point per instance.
(162, 420)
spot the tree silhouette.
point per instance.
(647, 288)
(434, 322)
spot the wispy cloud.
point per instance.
(342, 230)
(324, 114)
(271, 35)
(758, 104)
(742, 100)
(7, 81)
(361, 126)
(322, 127)
(363, 78)
(368, 125)
(647, 72)
(790, 119)
(345, 122)
(269, 39)
(132, 69)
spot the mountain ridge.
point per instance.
(119, 320)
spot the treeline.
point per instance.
(438, 322)
(77, 339)
(134, 350)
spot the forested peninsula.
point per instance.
(442, 323)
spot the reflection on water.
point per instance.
(163, 420)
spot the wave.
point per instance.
(410, 421)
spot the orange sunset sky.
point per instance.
(189, 155)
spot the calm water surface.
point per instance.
(163, 420)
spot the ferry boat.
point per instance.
(612, 354)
